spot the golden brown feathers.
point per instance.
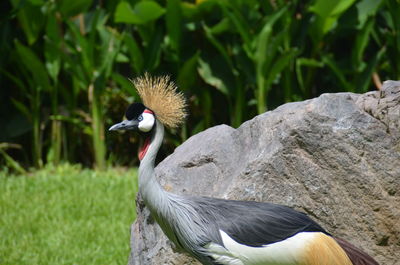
(160, 95)
(324, 250)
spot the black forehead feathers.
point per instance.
(134, 110)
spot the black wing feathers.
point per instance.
(253, 223)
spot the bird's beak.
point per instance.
(125, 125)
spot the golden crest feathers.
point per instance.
(160, 95)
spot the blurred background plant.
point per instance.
(65, 65)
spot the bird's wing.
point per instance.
(252, 223)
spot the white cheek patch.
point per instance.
(147, 123)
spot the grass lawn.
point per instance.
(67, 215)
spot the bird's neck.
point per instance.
(152, 192)
(169, 210)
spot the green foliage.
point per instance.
(66, 66)
(10, 162)
(66, 215)
(143, 12)
(328, 13)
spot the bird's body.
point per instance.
(229, 232)
(222, 232)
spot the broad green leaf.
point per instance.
(366, 8)
(279, 65)
(271, 75)
(22, 108)
(220, 47)
(95, 50)
(308, 62)
(262, 57)
(73, 120)
(153, 51)
(232, 12)
(364, 80)
(187, 74)
(125, 84)
(361, 43)
(173, 18)
(52, 48)
(208, 6)
(32, 21)
(190, 12)
(142, 13)
(53, 28)
(241, 25)
(261, 52)
(328, 12)
(31, 62)
(74, 67)
(326, 8)
(272, 50)
(81, 47)
(135, 54)
(111, 41)
(53, 62)
(206, 73)
(221, 27)
(124, 14)
(72, 8)
(121, 58)
(394, 10)
(206, 106)
(37, 2)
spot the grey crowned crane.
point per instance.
(218, 231)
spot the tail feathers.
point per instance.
(357, 256)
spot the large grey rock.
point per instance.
(335, 157)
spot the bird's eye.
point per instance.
(140, 118)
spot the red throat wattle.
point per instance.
(144, 148)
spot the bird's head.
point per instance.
(138, 118)
(161, 101)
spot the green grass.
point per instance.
(67, 215)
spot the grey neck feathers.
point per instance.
(160, 203)
(149, 187)
(175, 214)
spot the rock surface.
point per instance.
(335, 157)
